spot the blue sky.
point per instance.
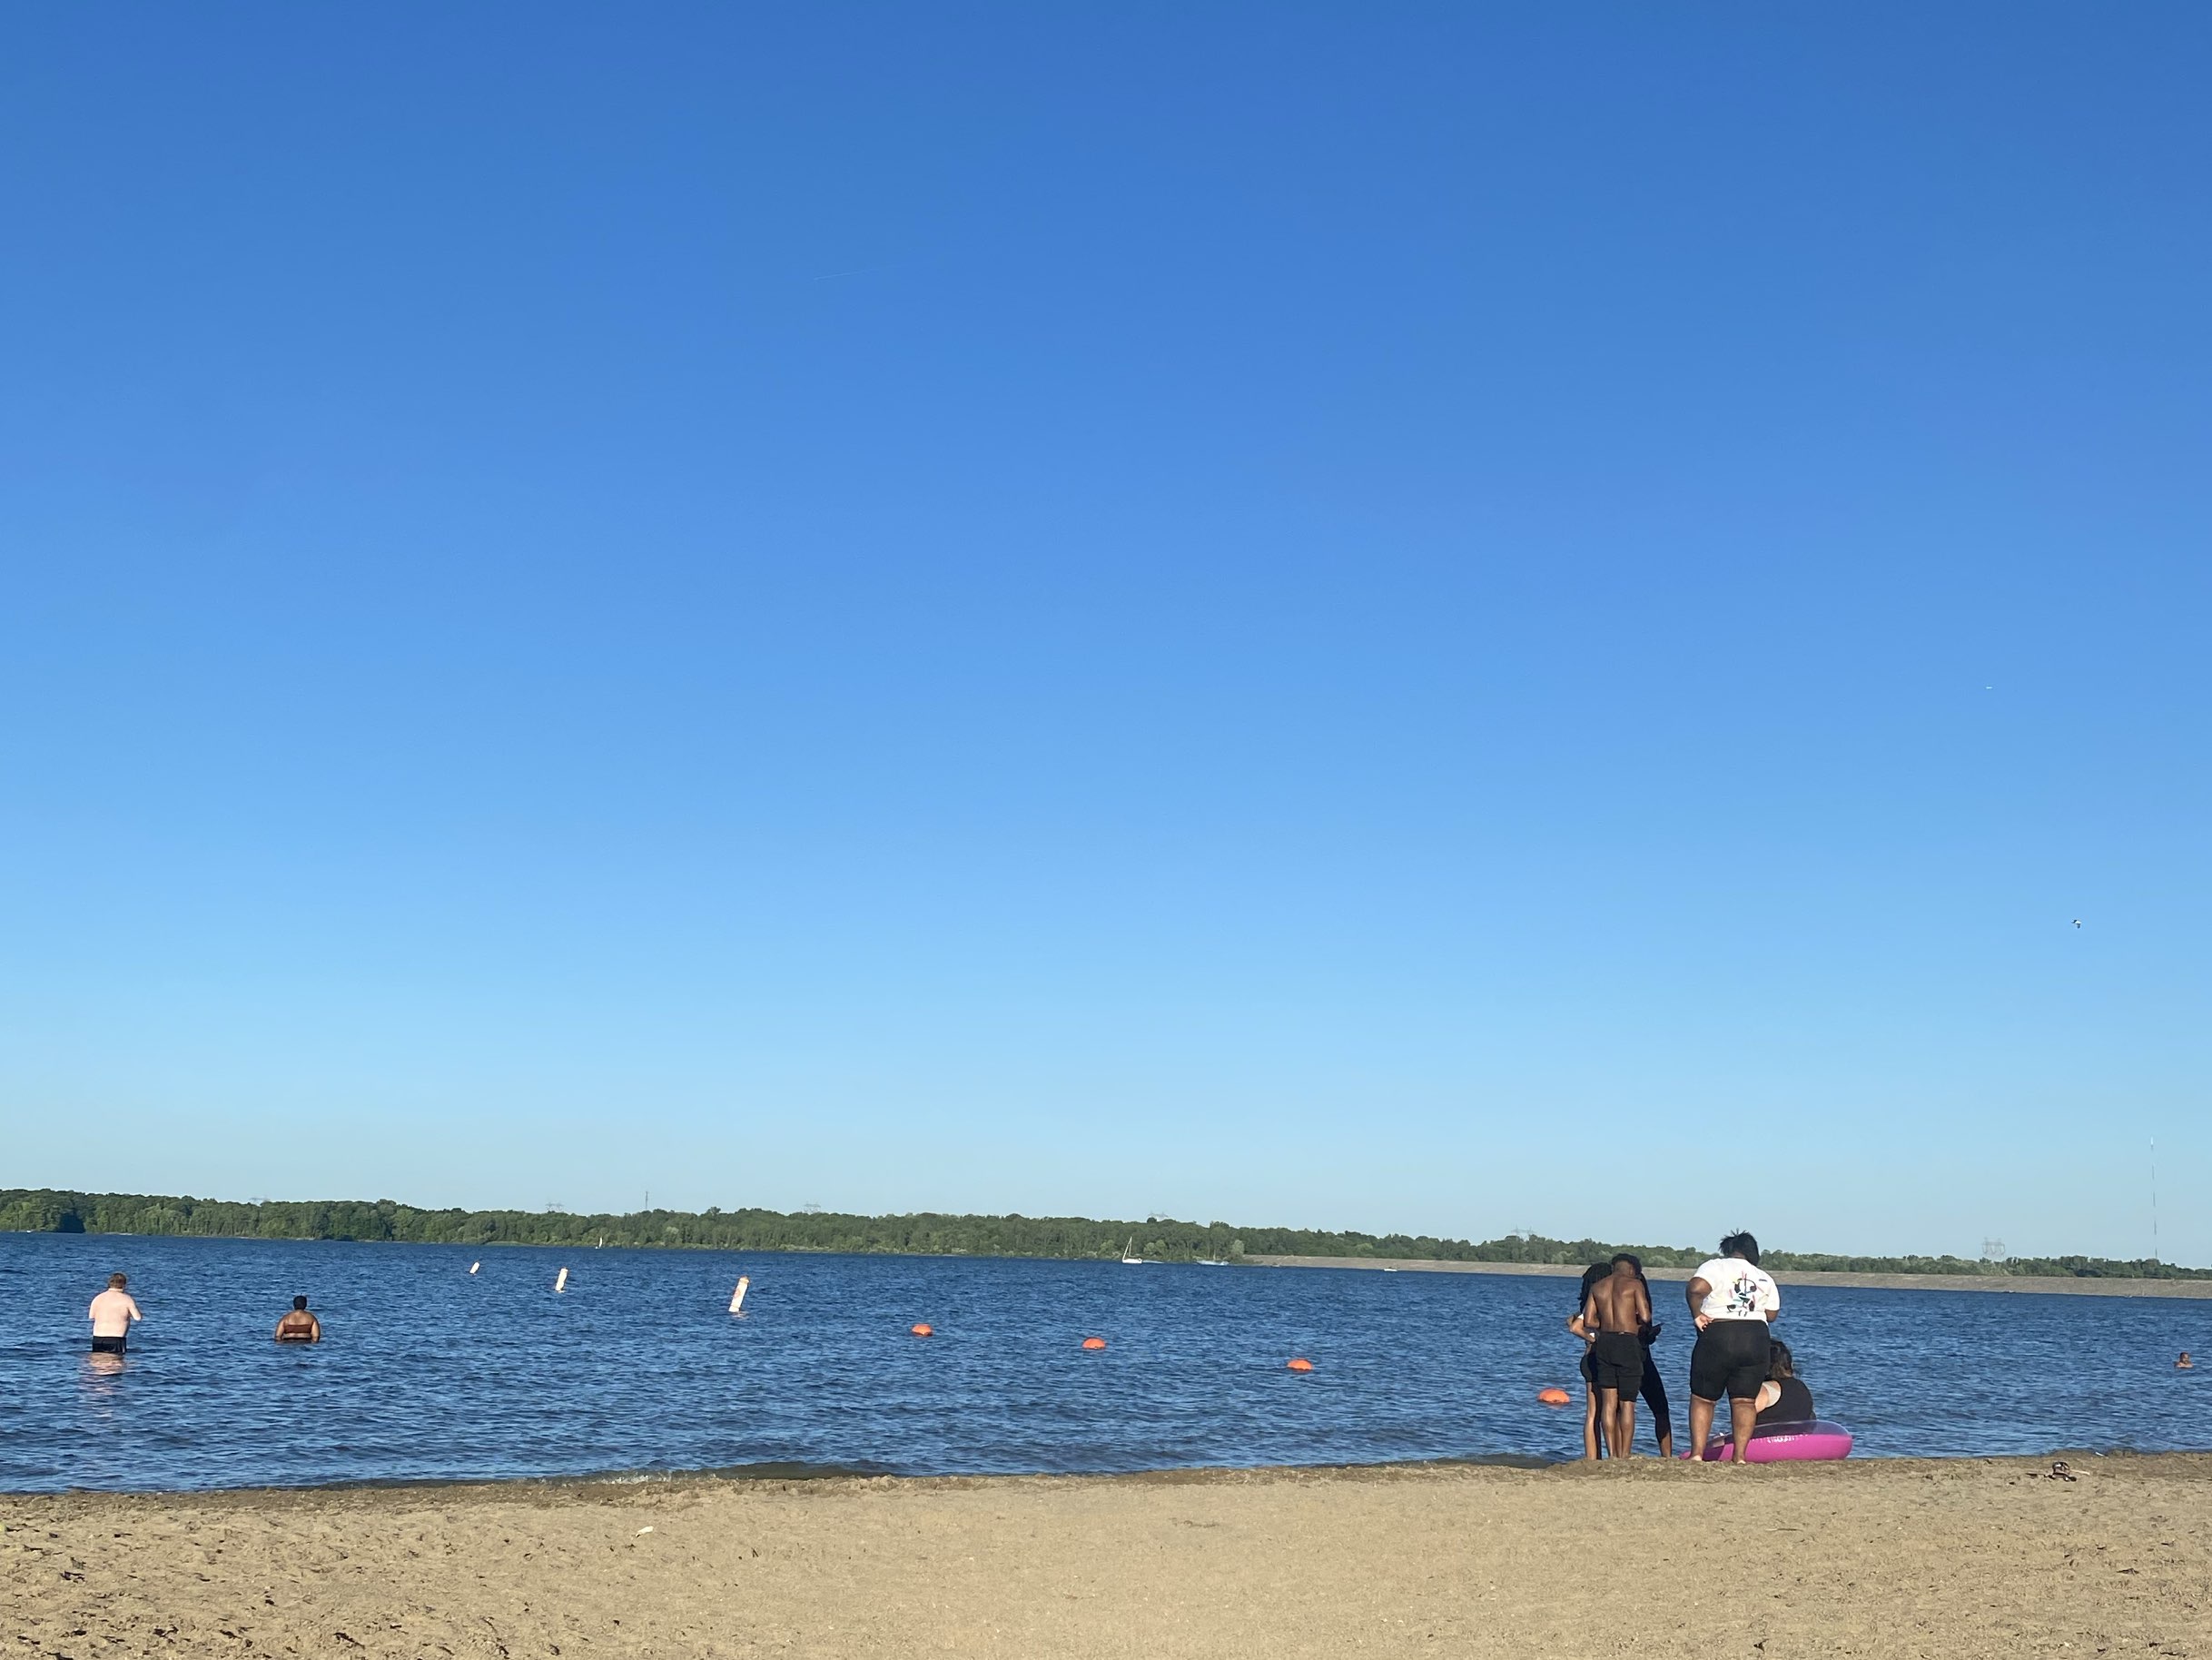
(1446, 620)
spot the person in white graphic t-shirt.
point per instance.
(1734, 1301)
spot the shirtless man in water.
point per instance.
(1617, 1307)
(112, 1312)
(299, 1326)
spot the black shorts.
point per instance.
(109, 1345)
(1731, 1359)
(1616, 1362)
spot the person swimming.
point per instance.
(2185, 1364)
(298, 1326)
(1783, 1399)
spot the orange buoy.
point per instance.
(1554, 1396)
(923, 1330)
(1301, 1365)
(1094, 1342)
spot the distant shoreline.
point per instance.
(1069, 1238)
(2063, 1285)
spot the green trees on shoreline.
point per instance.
(46, 1211)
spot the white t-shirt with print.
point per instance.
(1741, 1291)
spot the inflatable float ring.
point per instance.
(1784, 1443)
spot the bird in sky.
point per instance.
(2077, 922)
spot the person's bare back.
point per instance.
(1620, 1303)
(1616, 1310)
(111, 1313)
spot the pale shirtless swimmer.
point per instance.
(1616, 1309)
(299, 1326)
(112, 1312)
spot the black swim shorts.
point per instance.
(1616, 1362)
(109, 1345)
(1731, 1359)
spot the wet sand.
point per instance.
(1891, 1558)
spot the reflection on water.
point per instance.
(428, 1370)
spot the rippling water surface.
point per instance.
(427, 1372)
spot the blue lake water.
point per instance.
(428, 1372)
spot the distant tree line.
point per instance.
(46, 1211)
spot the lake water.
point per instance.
(428, 1372)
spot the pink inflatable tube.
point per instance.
(1779, 1443)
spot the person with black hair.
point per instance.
(1734, 1300)
(1595, 1441)
(299, 1326)
(1784, 1397)
(1592, 1433)
(1615, 1311)
(1654, 1386)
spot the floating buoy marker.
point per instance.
(923, 1330)
(737, 1296)
(474, 1266)
(1301, 1365)
(1094, 1342)
(560, 1281)
(1554, 1396)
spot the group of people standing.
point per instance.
(1732, 1299)
(1734, 1302)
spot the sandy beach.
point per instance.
(1900, 1557)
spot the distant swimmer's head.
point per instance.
(1740, 1245)
(300, 1303)
(1778, 1362)
(1626, 1261)
(115, 1282)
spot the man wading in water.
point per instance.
(1617, 1308)
(112, 1312)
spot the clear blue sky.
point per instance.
(1439, 619)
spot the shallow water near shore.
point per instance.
(430, 1373)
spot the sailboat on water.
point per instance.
(1129, 1254)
